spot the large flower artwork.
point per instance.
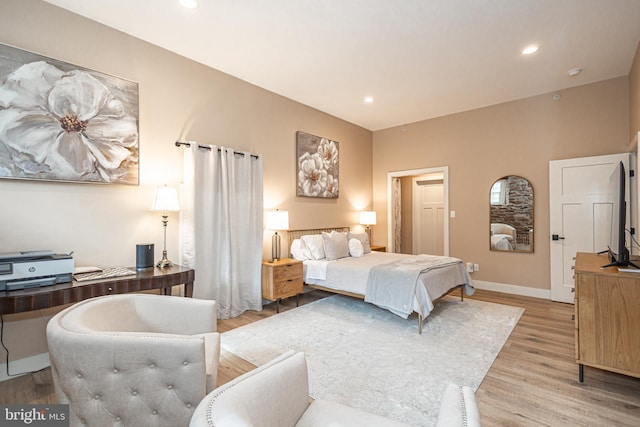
(317, 168)
(62, 122)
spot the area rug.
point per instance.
(368, 358)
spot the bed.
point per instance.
(402, 284)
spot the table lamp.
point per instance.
(165, 200)
(276, 220)
(368, 218)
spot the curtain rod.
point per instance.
(178, 144)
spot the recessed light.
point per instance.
(368, 99)
(531, 49)
(191, 4)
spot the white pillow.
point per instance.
(355, 248)
(364, 239)
(299, 250)
(335, 245)
(315, 245)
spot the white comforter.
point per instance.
(352, 274)
(392, 285)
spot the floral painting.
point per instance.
(317, 168)
(63, 122)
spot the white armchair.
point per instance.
(277, 394)
(134, 359)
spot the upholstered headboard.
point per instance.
(296, 234)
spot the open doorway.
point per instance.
(418, 206)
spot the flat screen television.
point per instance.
(618, 252)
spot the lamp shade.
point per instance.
(277, 220)
(166, 200)
(368, 218)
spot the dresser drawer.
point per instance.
(287, 271)
(287, 288)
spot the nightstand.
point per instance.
(281, 279)
(379, 248)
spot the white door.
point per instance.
(428, 226)
(580, 214)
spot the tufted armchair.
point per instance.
(134, 359)
(277, 394)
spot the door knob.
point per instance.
(556, 237)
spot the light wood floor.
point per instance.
(533, 382)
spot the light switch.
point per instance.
(453, 214)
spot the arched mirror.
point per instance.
(511, 215)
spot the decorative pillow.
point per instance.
(364, 239)
(355, 248)
(299, 250)
(335, 245)
(315, 245)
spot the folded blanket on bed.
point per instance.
(392, 285)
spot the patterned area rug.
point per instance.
(369, 358)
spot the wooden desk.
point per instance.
(65, 293)
(607, 319)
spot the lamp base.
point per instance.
(164, 262)
(275, 246)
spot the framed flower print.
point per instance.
(317, 166)
(62, 122)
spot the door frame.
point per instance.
(444, 170)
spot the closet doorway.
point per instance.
(418, 219)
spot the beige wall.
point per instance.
(179, 100)
(634, 96)
(479, 146)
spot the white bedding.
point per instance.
(501, 242)
(351, 275)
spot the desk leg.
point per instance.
(188, 290)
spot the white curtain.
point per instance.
(396, 190)
(221, 223)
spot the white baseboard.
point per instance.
(513, 289)
(24, 366)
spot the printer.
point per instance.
(32, 269)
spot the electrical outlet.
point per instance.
(470, 267)
(476, 267)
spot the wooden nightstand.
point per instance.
(281, 279)
(379, 248)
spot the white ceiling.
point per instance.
(419, 59)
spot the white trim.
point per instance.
(513, 289)
(27, 365)
(444, 170)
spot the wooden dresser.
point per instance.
(607, 316)
(281, 279)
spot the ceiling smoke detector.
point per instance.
(574, 72)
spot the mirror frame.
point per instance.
(531, 238)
